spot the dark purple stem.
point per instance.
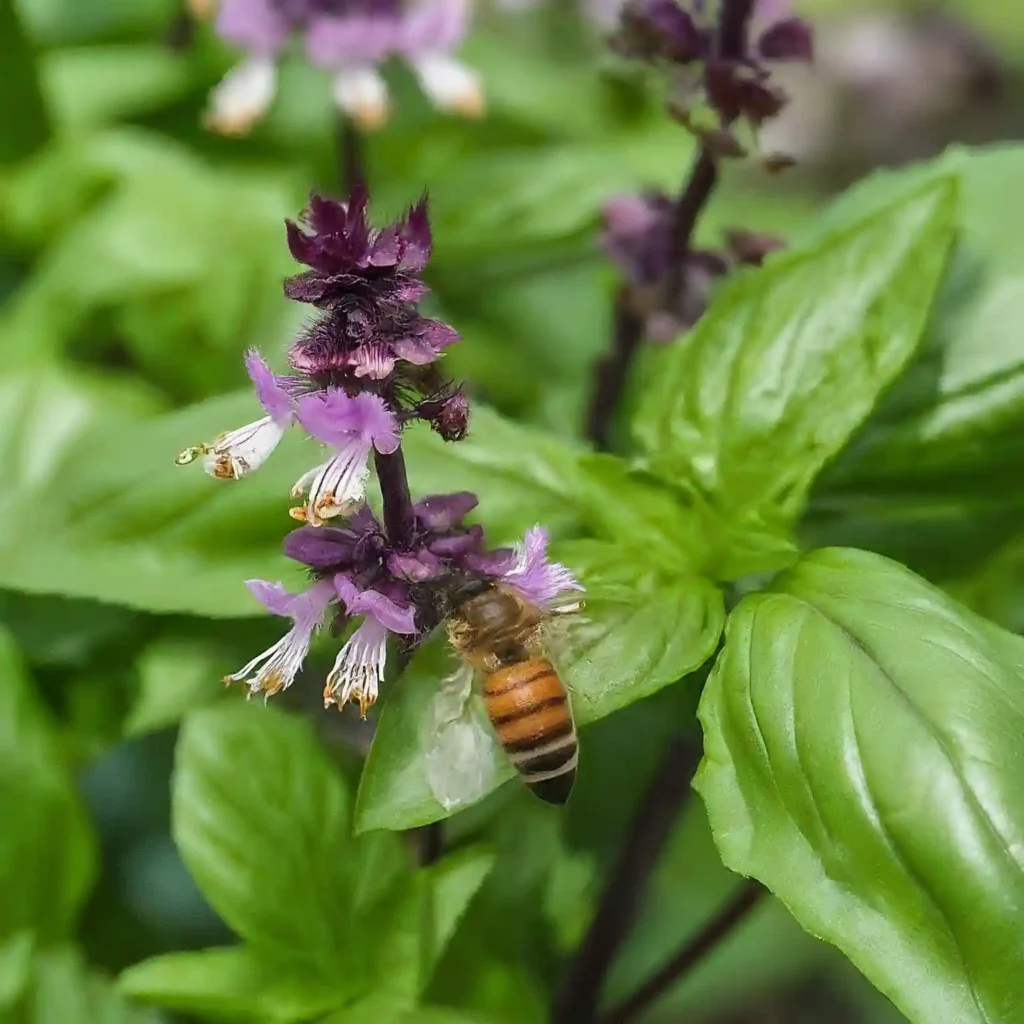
(623, 891)
(181, 32)
(399, 523)
(628, 328)
(613, 371)
(747, 897)
(351, 155)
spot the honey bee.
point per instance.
(498, 634)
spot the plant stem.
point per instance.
(628, 329)
(620, 902)
(746, 898)
(399, 523)
(613, 371)
(351, 155)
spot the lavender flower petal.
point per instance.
(336, 419)
(414, 566)
(439, 512)
(321, 547)
(388, 613)
(271, 390)
(538, 580)
(433, 26)
(354, 39)
(255, 25)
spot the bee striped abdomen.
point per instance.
(529, 709)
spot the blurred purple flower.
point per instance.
(350, 39)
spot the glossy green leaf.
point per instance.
(765, 952)
(106, 514)
(15, 967)
(24, 120)
(644, 626)
(175, 676)
(790, 359)
(86, 86)
(454, 882)
(952, 424)
(863, 759)
(522, 476)
(110, 516)
(229, 983)
(261, 819)
(384, 1010)
(63, 989)
(47, 849)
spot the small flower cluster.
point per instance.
(637, 237)
(724, 61)
(730, 75)
(350, 39)
(362, 371)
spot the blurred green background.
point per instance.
(140, 255)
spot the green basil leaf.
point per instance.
(521, 476)
(24, 121)
(111, 517)
(15, 967)
(106, 514)
(790, 359)
(176, 675)
(952, 424)
(644, 626)
(63, 989)
(455, 880)
(229, 983)
(862, 759)
(261, 818)
(47, 848)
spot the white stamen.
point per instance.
(359, 668)
(335, 486)
(277, 666)
(363, 95)
(242, 97)
(242, 450)
(450, 84)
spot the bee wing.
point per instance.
(462, 750)
(566, 629)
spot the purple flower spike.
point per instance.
(348, 258)
(538, 580)
(275, 669)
